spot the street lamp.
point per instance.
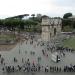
(19, 39)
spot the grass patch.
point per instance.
(67, 29)
(69, 43)
(7, 37)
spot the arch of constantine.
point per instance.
(51, 27)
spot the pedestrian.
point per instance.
(22, 60)
(2, 60)
(0, 55)
(3, 69)
(57, 68)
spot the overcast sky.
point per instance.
(48, 7)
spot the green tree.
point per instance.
(1, 23)
(66, 15)
(33, 15)
(66, 21)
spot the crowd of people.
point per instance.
(63, 49)
(27, 66)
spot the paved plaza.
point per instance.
(23, 51)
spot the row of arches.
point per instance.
(55, 31)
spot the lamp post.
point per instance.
(19, 39)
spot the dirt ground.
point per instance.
(9, 47)
(6, 47)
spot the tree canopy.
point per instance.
(66, 21)
(66, 15)
(15, 22)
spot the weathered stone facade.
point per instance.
(51, 27)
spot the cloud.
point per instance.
(48, 7)
(60, 7)
(68, 3)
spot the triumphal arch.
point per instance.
(51, 27)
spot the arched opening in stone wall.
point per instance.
(54, 31)
(50, 35)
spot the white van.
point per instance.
(55, 57)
